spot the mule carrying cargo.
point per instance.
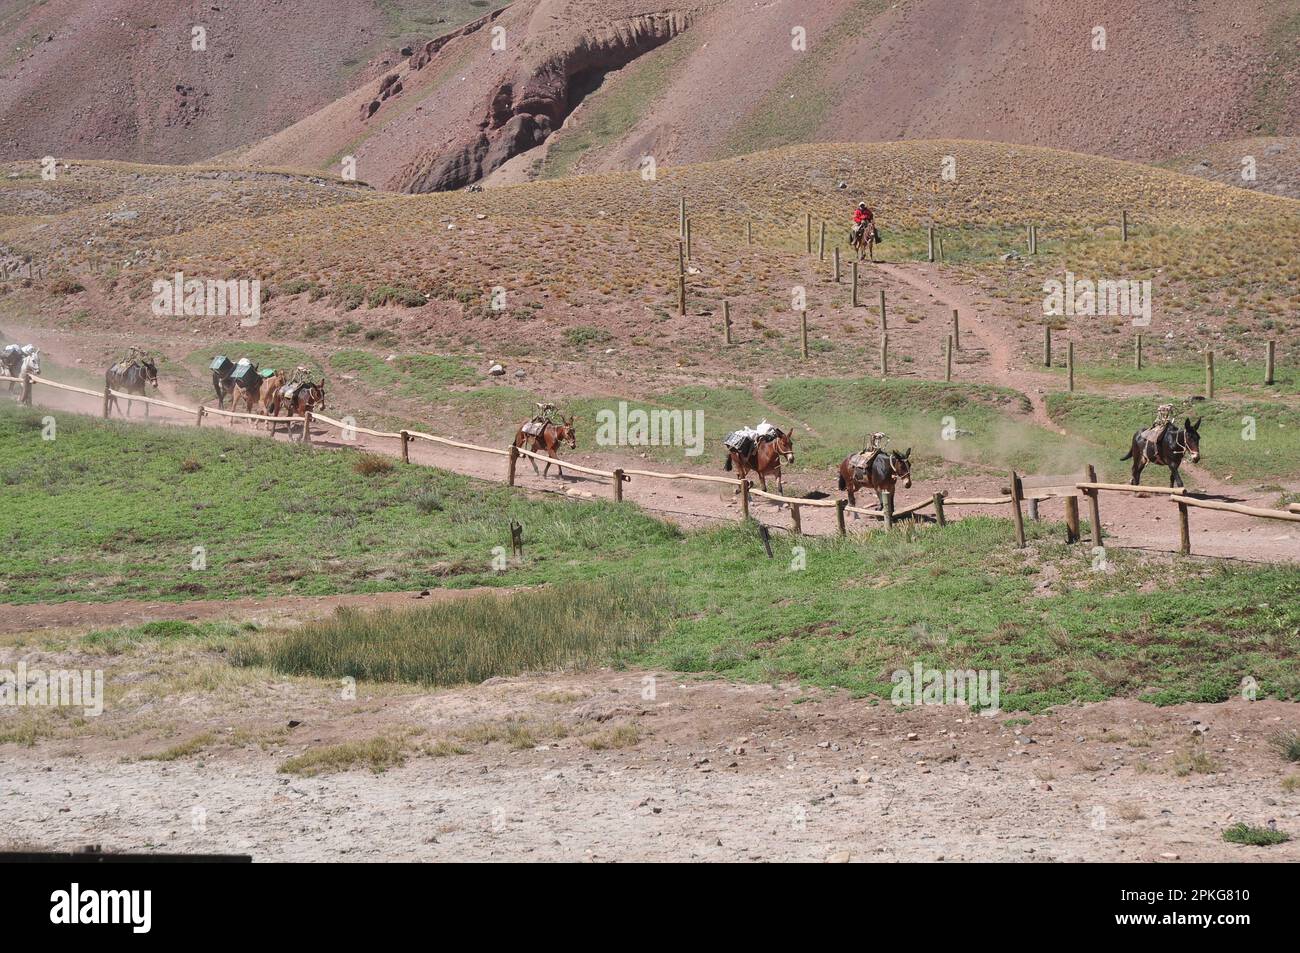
(244, 372)
(741, 442)
(222, 365)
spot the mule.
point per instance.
(270, 395)
(133, 379)
(1174, 444)
(250, 394)
(223, 385)
(306, 397)
(548, 442)
(886, 471)
(11, 363)
(30, 364)
(864, 243)
(766, 458)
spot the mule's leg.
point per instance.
(1175, 478)
(1137, 467)
(780, 484)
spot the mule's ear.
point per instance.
(908, 454)
(1187, 423)
(1198, 423)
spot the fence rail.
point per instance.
(1019, 493)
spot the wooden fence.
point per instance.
(1022, 490)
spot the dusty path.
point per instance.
(720, 771)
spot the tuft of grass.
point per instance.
(623, 736)
(1286, 743)
(378, 754)
(185, 749)
(1193, 759)
(476, 638)
(1254, 836)
(371, 464)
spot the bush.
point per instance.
(1254, 836)
(369, 464)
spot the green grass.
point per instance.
(1243, 378)
(1254, 836)
(104, 512)
(378, 754)
(475, 638)
(1111, 421)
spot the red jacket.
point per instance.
(860, 216)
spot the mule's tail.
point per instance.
(727, 466)
(1127, 456)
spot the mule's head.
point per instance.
(783, 444)
(32, 363)
(568, 433)
(1192, 438)
(150, 372)
(900, 467)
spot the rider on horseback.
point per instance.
(863, 218)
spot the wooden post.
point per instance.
(1209, 373)
(1270, 352)
(884, 355)
(803, 333)
(1047, 345)
(855, 283)
(837, 264)
(947, 373)
(1123, 225)
(1071, 519)
(839, 516)
(198, 416)
(956, 330)
(744, 499)
(681, 296)
(306, 427)
(1137, 352)
(1015, 510)
(938, 240)
(726, 321)
(108, 400)
(884, 318)
(938, 510)
(510, 467)
(690, 246)
(887, 506)
(406, 446)
(681, 257)
(929, 235)
(1035, 227)
(821, 243)
(618, 486)
(1094, 504)
(1029, 239)
(1069, 364)
(1184, 531)
(795, 521)
(807, 221)
(681, 219)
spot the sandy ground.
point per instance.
(722, 772)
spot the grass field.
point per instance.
(109, 510)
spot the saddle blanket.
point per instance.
(534, 428)
(861, 462)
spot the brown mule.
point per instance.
(548, 441)
(765, 459)
(865, 243)
(886, 470)
(308, 397)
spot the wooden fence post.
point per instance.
(681, 219)
(1071, 519)
(1047, 345)
(1184, 531)
(807, 217)
(929, 234)
(887, 506)
(803, 333)
(1015, 510)
(796, 523)
(681, 295)
(956, 330)
(618, 486)
(198, 416)
(406, 446)
(938, 240)
(1094, 504)
(884, 317)
(884, 355)
(744, 499)
(947, 372)
(726, 322)
(306, 427)
(837, 264)
(510, 467)
(855, 283)
(1270, 352)
(1123, 225)
(690, 243)
(938, 509)
(108, 400)
(1069, 364)
(839, 517)
(1137, 352)
(821, 243)
(1033, 239)
(1209, 373)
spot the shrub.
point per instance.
(370, 464)
(1254, 836)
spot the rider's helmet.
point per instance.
(863, 206)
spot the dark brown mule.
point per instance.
(133, 379)
(766, 458)
(548, 441)
(883, 475)
(308, 397)
(223, 385)
(865, 243)
(1174, 444)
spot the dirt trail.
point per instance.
(1130, 522)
